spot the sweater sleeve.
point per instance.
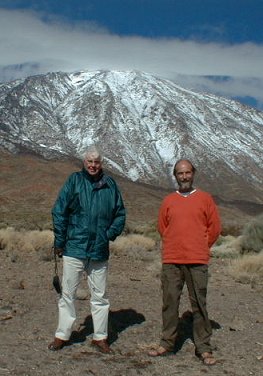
(213, 223)
(162, 218)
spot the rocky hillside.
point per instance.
(142, 123)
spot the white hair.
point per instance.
(93, 151)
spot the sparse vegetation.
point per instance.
(42, 241)
(252, 239)
(243, 267)
(227, 247)
(27, 241)
(133, 244)
(247, 269)
(148, 229)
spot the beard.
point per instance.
(185, 186)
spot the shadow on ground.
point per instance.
(118, 321)
(185, 329)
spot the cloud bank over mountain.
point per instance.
(33, 43)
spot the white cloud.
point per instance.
(30, 46)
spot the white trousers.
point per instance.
(97, 272)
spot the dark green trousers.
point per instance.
(173, 278)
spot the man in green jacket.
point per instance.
(87, 214)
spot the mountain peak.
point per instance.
(142, 123)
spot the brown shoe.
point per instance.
(102, 346)
(57, 344)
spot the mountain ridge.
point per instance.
(141, 123)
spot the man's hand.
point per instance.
(58, 251)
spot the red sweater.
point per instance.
(188, 226)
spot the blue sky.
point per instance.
(208, 45)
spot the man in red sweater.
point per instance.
(189, 224)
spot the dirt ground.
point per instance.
(28, 319)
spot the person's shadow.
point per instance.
(118, 321)
(185, 329)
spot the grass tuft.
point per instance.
(133, 244)
(247, 269)
(27, 241)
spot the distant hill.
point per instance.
(29, 186)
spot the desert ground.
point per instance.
(28, 301)
(28, 319)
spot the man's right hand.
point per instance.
(58, 251)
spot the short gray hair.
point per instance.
(93, 149)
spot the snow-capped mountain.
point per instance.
(143, 124)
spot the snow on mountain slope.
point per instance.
(142, 123)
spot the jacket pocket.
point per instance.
(76, 227)
(74, 205)
(102, 239)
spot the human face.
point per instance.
(184, 176)
(93, 165)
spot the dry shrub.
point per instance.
(247, 269)
(140, 247)
(232, 227)
(148, 229)
(252, 240)
(133, 244)
(27, 241)
(227, 247)
(10, 239)
(41, 242)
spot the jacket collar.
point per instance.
(97, 183)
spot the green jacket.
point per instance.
(87, 215)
